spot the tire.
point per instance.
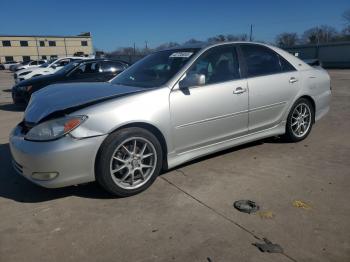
(292, 134)
(113, 156)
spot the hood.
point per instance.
(39, 79)
(66, 98)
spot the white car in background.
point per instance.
(6, 65)
(45, 69)
(28, 64)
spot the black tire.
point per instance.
(290, 136)
(106, 152)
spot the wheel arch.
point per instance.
(151, 128)
(312, 101)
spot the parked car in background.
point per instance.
(170, 107)
(94, 70)
(45, 69)
(6, 65)
(27, 64)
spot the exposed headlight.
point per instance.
(54, 129)
(25, 73)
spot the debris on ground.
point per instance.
(301, 204)
(266, 214)
(246, 206)
(268, 247)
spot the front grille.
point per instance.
(17, 167)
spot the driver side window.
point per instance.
(219, 64)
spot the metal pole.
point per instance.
(65, 45)
(251, 33)
(37, 47)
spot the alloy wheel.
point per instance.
(133, 163)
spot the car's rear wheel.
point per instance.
(129, 161)
(300, 120)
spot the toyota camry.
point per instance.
(170, 107)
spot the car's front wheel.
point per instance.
(300, 120)
(129, 161)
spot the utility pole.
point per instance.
(146, 44)
(65, 45)
(134, 49)
(251, 33)
(37, 47)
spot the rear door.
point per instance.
(272, 83)
(216, 111)
(86, 72)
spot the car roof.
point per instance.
(101, 59)
(204, 45)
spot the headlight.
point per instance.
(25, 73)
(54, 129)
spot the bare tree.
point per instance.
(167, 45)
(217, 39)
(346, 16)
(287, 39)
(321, 34)
(241, 37)
(192, 41)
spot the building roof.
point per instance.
(82, 35)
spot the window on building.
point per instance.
(26, 58)
(8, 58)
(53, 56)
(84, 43)
(43, 57)
(42, 43)
(6, 43)
(52, 43)
(23, 43)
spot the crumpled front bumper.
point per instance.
(73, 159)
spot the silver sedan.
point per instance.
(170, 107)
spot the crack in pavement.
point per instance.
(218, 212)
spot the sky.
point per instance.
(116, 24)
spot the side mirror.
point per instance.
(192, 80)
(53, 66)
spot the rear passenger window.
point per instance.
(218, 64)
(111, 67)
(260, 60)
(286, 66)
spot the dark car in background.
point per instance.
(92, 70)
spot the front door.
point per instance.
(213, 112)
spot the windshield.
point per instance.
(155, 69)
(67, 68)
(48, 63)
(26, 62)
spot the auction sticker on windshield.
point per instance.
(181, 54)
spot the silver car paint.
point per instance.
(205, 120)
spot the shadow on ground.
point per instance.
(14, 186)
(12, 107)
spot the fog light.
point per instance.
(44, 175)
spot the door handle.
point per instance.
(239, 90)
(293, 80)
